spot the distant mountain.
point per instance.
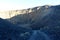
(29, 18)
(39, 18)
(12, 13)
(44, 22)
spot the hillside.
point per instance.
(36, 17)
(8, 31)
(30, 16)
(44, 22)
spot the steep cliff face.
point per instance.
(26, 16)
(38, 18)
(31, 17)
(12, 13)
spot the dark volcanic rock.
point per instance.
(44, 16)
(46, 19)
(8, 31)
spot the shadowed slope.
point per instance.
(46, 20)
(9, 31)
(38, 18)
(27, 19)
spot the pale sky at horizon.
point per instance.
(23, 4)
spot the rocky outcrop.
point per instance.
(12, 13)
(31, 17)
(25, 16)
(37, 18)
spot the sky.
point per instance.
(24, 4)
